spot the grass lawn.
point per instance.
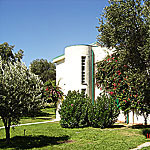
(46, 114)
(52, 136)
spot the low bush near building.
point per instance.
(74, 110)
(104, 112)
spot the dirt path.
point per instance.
(30, 123)
(141, 146)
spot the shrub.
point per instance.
(104, 112)
(74, 110)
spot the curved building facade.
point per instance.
(75, 70)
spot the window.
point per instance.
(83, 69)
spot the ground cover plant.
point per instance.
(53, 136)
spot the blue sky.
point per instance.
(43, 28)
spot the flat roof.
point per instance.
(61, 57)
(58, 58)
(92, 44)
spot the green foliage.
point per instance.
(47, 73)
(74, 110)
(44, 69)
(104, 112)
(52, 92)
(6, 53)
(125, 26)
(20, 90)
(117, 79)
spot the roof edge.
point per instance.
(92, 44)
(56, 59)
(60, 57)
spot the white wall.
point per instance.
(73, 56)
(99, 54)
(60, 74)
(138, 119)
(68, 74)
(121, 117)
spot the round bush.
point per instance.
(74, 110)
(104, 112)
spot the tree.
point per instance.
(47, 73)
(112, 77)
(6, 53)
(44, 69)
(20, 91)
(52, 92)
(124, 26)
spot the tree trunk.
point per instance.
(145, 118)
(7, 129)
(145, 121)
(145, 115)
(7, 123)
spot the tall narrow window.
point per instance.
(83, 69)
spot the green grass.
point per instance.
(52, 136)
(45, 115)
(146, 148)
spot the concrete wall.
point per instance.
(121, 117)
(68, 70)
(99, 54)
(60, 74)
(73, 56)
(68, 75)
(136, 118)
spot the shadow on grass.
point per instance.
(116, 126)
(39, 114)
(146, 133)
(44, 118)
(140, 126)
(28, 142)
(43, 114)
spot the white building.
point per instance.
(75, 70)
